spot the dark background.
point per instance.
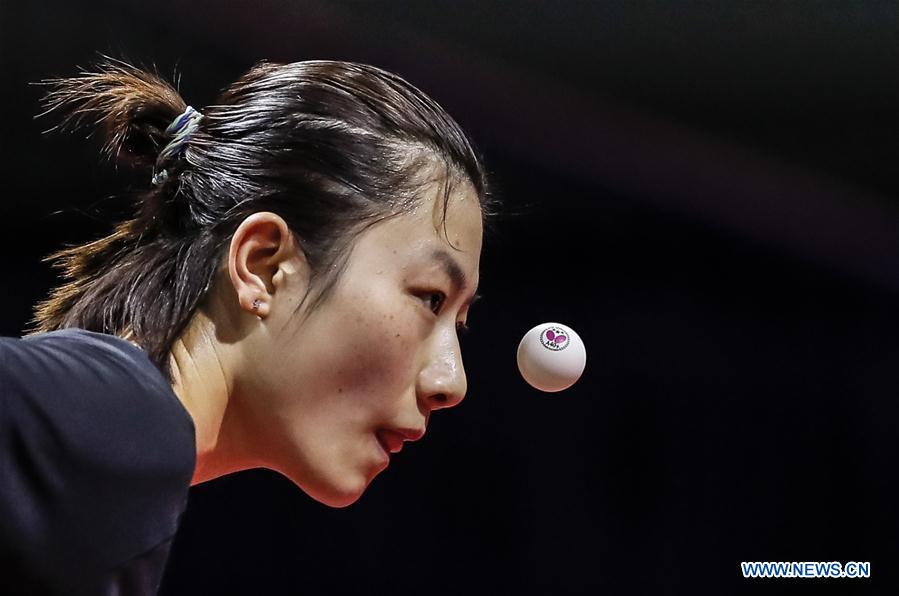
(706, 192)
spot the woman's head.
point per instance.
(343, 202)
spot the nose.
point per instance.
(442, 382)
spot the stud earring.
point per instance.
(256, 303)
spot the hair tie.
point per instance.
(181, 129)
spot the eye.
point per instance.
(434, 300)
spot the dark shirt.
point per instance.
(96, 457)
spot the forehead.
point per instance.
(438, 227)
(456, 215)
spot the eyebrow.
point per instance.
(454, 272)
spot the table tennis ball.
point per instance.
(551, 357)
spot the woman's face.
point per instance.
(377, 356)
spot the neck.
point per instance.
(200, 380)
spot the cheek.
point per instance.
(366, 355)
(379, 352)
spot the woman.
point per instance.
(288, 295)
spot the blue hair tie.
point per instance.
(181, 129)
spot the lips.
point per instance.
(392, 439)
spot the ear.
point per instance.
(264, 258)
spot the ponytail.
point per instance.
(132, 108)
(108, 283)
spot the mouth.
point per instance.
(392, 439)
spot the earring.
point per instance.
(256, 303)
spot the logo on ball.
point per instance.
(554, 338)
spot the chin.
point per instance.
(334, 480)
(337, 492)
(338, 501)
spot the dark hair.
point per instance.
(332, 147)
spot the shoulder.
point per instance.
(89, 370)
(96, 450)
(86, 356)
(86, 384)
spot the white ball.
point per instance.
(551, 357)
